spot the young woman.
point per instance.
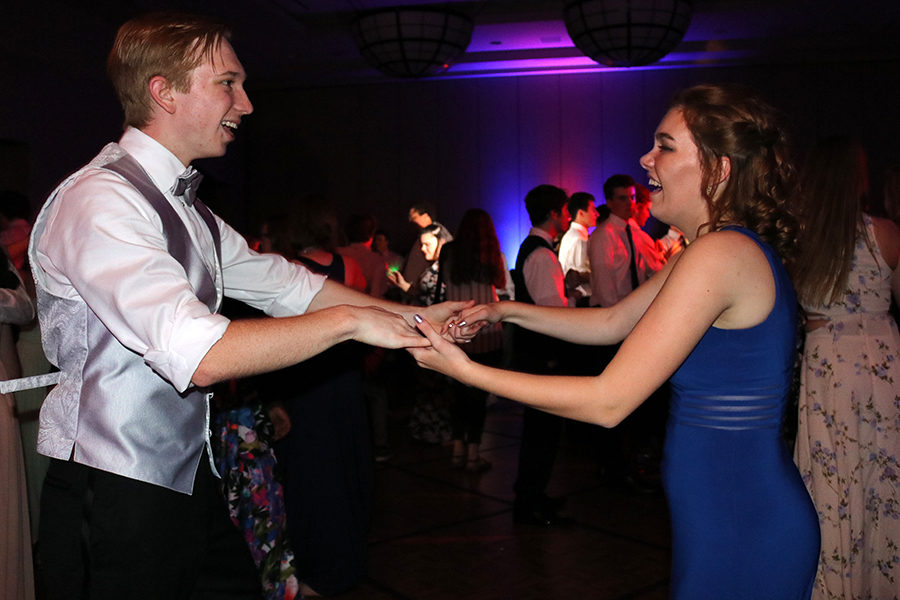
(429, 420)
(472, 268)
(719, 319)
(848, 440)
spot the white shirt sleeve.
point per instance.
(609, 267)
(103, 244)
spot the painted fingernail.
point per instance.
(462, 323)
(417, 318)
(450, 326)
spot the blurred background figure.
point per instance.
(360, 230)
(848, 441)
(429, 420)
(326, 456)
(892, 193)
(16, 571)
(573, 248)
(381, 244)
(421, 215)
(473, 268)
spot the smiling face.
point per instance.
(206, 117)
(675, 175)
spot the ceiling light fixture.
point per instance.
(627, 33)
(411, 41)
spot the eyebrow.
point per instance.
(664, 136)
(231, 74)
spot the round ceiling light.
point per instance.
(411, 41)
(627, 33)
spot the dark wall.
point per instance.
(486, 142)
(455, 143)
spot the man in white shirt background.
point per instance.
(130, 271)
(573, 248)
(621, 255)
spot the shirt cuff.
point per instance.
(193, 338)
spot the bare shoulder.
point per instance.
(723, 249)
(732, 266)
(887, 236)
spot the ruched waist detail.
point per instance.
(728, 412)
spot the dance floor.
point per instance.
(440, 533)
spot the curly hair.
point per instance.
(732, 121)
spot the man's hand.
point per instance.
(378, 327)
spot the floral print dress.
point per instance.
(848, 442)
(244, 457)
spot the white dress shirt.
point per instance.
(103, 244)
(543, 274)
(573, 253)
(610, 258)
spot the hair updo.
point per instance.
(733, 121)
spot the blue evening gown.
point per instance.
(743, 524)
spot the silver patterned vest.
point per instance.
(128, 420)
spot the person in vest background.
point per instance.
(130, 271)
(539, 280)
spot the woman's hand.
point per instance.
(472, 319)
(396, 277)
(443, 356)
(445, 315)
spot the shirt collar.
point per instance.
(158, 162)
(541, 233)
(579, 228)
(620, 222)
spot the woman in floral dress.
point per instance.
(848, 443)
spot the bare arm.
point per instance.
(887, 236)
(593, 326)
(720, 281)
(336, 314)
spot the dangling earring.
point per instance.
(709, 191)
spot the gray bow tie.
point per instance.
(186, 186)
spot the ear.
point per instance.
(724, 169)
(162, 94)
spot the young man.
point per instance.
(130, 272)
(573, 248)
(621, 255)
(539, 280)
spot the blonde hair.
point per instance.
(170, 45)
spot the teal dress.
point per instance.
(743, 524)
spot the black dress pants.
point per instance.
(541, 433)
(104, 536)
